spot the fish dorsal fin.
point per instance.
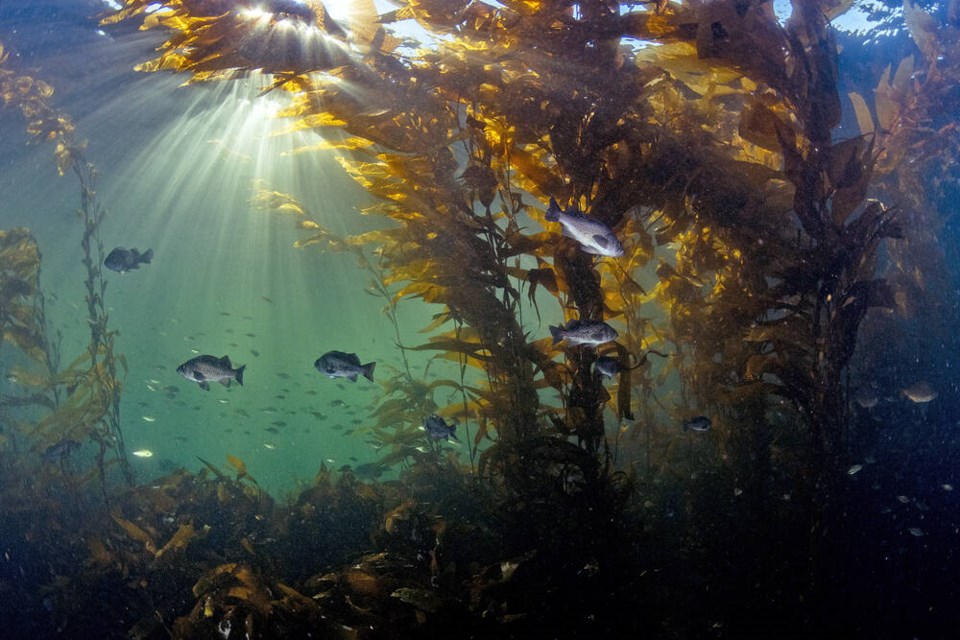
(225, 362)
(353, 358)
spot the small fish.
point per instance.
(149, 419)
(60, 450)
(254, 353)
(920, 392)
(698, 424)
(866, 397)
(916, 532)
(607, 366)
(143, 453)
(854, 469)
(337, 364)
(903, 499)
(593, 236)
(121, 259)
(269, 445)
(437, 428)
(588, 333)
(206, 369)
(947, 487)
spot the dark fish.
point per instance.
(698, 423)
(206, 369)
(255, 353)
(370, 470)
(338, 364)
(607, 366)
(60, 450)
(437, 428)
(588, 333)
(592, 235)
(121, 259)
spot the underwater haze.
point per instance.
(479, 319)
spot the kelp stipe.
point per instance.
(83, 400)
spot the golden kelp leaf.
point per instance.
(179, 540)
(860, 108)
(136, 533)
(314, 121)
(210, 579)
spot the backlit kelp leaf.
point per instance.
(239, 465)
(891, 95)
(862, 111)
(923, 29)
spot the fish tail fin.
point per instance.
(557, 333)
(553, 211)
(239, 376)
(368, 370)
(147, 256)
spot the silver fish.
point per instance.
(588, 333)
(437, 428)
(698, 423)
(121, 259)
(206, 369)
(593, 236)
(607, 366)
(338, 364)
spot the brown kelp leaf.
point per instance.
(179, 540)
(136, 533)
(862, 111)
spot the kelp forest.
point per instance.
(701, 475)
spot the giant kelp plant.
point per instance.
(59, 409)
(702, 134)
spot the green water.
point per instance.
(178, 167)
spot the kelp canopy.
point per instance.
(701, 133)
(704, 135)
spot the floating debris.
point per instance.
(854, 469)
(903, 499)
(149, 419)
(143, 453)
(947, 487)
(916, 532)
